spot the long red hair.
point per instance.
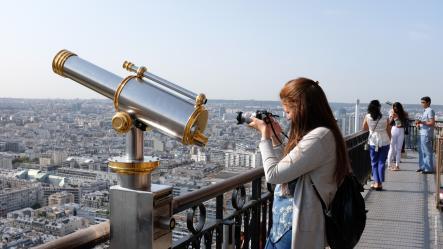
(310, 110)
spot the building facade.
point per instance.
(17, 194)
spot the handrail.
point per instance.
(355, 135)
(188, 200)
(80, 239)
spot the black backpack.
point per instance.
(345, 219)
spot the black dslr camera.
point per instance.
(246, 117)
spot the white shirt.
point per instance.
(378, 136)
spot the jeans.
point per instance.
(378, 160)
(425, 154)
(283, 243)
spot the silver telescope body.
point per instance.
(145, 97)
(141, 100)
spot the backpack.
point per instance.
(345, 219)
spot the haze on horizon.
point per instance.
(231, 50)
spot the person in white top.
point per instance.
(398, 119)
(379, 140)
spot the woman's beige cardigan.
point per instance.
(314, 158)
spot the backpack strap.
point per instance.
(323, 205)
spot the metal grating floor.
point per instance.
(404, 214)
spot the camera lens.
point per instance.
(244, 117)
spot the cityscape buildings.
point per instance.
(54, 177)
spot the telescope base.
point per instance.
(134, 213)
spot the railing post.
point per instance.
(219, 216)
(255, 221)
(228, 235)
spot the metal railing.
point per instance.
(360, 160)
(253, 215)
(411, 139)
(245, 216)
(438, 173)
(84, 238)
(243, 209)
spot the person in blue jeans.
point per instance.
(425, 150)
(379, 140)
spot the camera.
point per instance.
(246, 117)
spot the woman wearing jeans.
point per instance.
(379, 140)
(398, 119)
(315, 153)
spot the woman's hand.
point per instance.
(276, 138)
(276, 126)
(262, 127)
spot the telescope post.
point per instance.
(141, 212)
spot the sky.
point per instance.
(386, 50)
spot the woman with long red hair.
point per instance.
(314, 154)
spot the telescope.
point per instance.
(164, 106)
(142, 101)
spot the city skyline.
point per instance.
(54, 155)
(232, 50)
(218, 101)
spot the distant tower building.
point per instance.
(350, 124)
(357, 120)
(221, 111)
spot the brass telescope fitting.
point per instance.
(121, 122)
(123, 166)
(200, 112)
(200, 100)
(128, 65)
(59, 61)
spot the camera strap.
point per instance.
(273, 130)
